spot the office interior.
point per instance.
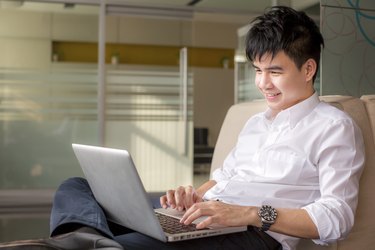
(154, 77)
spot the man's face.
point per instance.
(281, 82)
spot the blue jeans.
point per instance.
(74, 204)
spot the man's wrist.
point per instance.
(253, 218)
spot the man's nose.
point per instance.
(264, 81)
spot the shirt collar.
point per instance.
(295, 113)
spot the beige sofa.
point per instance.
(363, 112)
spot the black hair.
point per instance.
(285, 29)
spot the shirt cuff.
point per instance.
(326, 216)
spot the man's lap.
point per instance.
(74, 199)
(244, 240)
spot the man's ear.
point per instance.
(310, 68)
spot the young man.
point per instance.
(293, 173)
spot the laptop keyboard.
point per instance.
(173, 226)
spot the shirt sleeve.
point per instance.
(340, 163)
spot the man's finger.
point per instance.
(205, 223)
(171, 198)
(179, 197)
(163, 201)
(193, 213)
(189, 197)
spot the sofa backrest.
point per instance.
(369, 101)
(234, 121)
(362, 235)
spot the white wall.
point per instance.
(213, 96)
(24, 39)
(79, 28)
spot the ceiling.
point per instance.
(227, 9)
(226, 5)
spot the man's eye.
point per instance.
(275, 73)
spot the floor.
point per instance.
(23, 227)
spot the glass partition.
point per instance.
(44, 105)
(143, 116)
(246, 90)
(48, 102)
(41, 113)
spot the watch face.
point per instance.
(268, 213)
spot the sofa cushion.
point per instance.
(234, 121)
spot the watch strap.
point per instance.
(265, 226)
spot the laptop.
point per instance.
(117, 187)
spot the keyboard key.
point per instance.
(173, 226)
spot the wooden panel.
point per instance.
(143, 54)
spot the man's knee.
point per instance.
(74, 182)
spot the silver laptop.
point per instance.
(117, 187)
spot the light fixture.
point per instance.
(69, 5)
(193, 2)
(151, 11)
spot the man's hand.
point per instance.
(219, 213)
(181, 199)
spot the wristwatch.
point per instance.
(268, 216)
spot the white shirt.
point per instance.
(309, 156)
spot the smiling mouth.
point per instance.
(272, 95)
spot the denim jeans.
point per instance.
(74, 204)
